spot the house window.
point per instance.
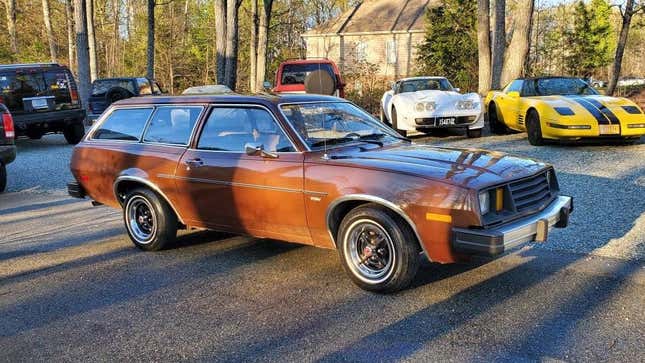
(361, 51)
(390, 51)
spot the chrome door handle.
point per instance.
(195, 163)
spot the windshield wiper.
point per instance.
(332, 141)
(372, 138)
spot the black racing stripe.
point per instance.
(593, 110)
(607, 112)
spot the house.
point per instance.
(384, 33)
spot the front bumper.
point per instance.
(76, 190)
(499, 239)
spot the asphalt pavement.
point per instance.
(74, 288)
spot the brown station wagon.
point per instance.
(315, 170)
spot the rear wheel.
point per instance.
(74, 133)
(533, 129)
(3, 177)
(474, 133)
(149, 220)
(495, 125)
(395, 124)
(378, 250)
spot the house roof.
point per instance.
(376, 16)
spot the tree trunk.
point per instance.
(220, 40)
(518, 49)
(150, 51)
(50, 33)
(230, 73)
(82, 51)
(614, 73)
(263, 43)
(499, 43)
(483, 41)
(69, 12)
(11, 25)
(91, 38)
(253, 47)
(115, 36)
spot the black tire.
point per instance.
(3, 177)
(383, 117)
(35, 134)
(475, 133)
(387, 266)
(150, 221)
(403, 133)
(533, 129)
(74, 133)
(495, 125)
(116, 94)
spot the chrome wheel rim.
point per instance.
(369, 251)
(141, 219)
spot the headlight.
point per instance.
(425, 106)
(484, 202)
(465, 105)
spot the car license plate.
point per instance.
(609, 129)
(445, 121)
(39, 103)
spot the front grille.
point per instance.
(531, 193)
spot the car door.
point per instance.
(509, 103)
(227, 188)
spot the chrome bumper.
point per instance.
(496, 240)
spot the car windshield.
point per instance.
(326, 124)
(296, 73)
(557, 86)
(425, 84)
(101, 86)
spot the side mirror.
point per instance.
(513, 94)
(253, 149)
(267, 85)
(392, 85)
(457, 89)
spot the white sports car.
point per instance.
(425, 103)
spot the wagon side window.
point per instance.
(172, 125)
(123, 124)
(231, 128)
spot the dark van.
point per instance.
(43, 98)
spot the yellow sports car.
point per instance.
(562, 108)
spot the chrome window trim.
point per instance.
(192, 131)
(147, 183)
(241, 105)
(372, 199)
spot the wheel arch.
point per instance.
(339, 208)
(125, 183)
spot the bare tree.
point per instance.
(499, 42)
(518, 50)
(263, 43)
(69, 12)
(50, 33)
(230, 71)
(150, 50)
(220, 40)
(91, 38)
(626, 13)
(82, 51)
(483, 41)
(11, 24)
(253, 47)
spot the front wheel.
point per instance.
(395, 124)
(149, 220)
(494, 123)
(383, 117)
(533, 129)
(74, 133)
(377, 249)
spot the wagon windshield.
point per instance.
(326, 124)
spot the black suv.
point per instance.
(7, 147)
(105, 91)
(42, 98)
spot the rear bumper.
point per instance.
(497, 240)
(76, 190)
(7, 153)
(47, 120)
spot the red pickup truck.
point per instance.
(319, 76)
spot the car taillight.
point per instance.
(7, 124)
(74, 95)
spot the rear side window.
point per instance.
(296, 73)
(172, 125)
(123, 124)
(144, 87)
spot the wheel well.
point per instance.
(340, 211)
(123, 187)
(531, 109)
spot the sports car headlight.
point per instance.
(425, 106)
(465, 105)
(420, 107)
(430, 106)
(484, 202)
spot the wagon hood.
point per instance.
(470, 168)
